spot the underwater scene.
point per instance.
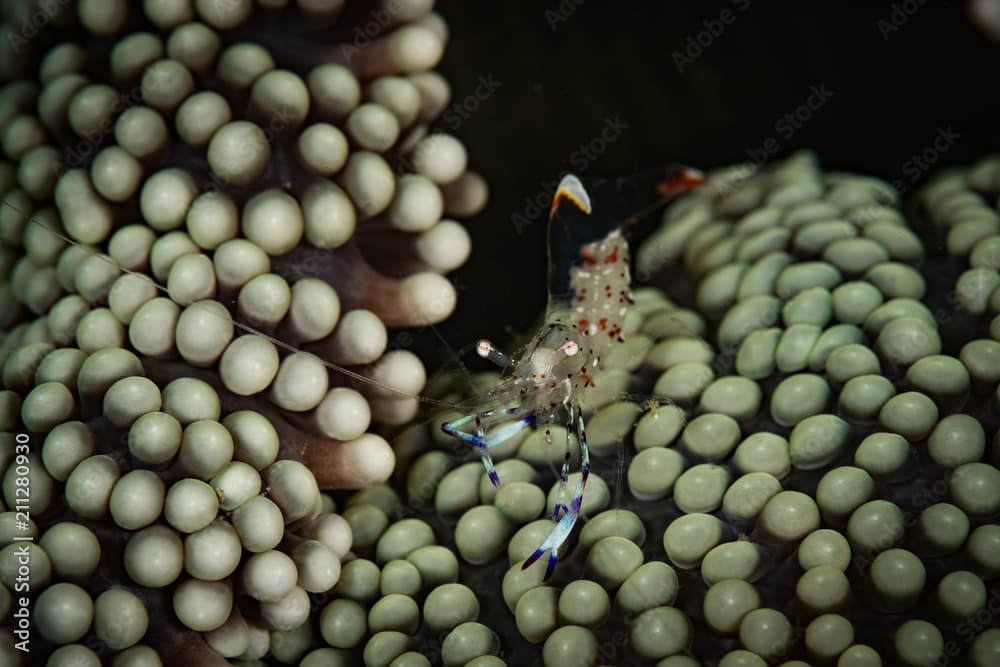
(557, 333)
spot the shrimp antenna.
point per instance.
(678, 180)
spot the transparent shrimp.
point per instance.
(588, 299)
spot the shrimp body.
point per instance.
(588, 300)
(544, 386)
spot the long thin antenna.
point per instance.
(679, 179)
(456, 359)
(242, 326)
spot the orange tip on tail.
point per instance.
(570, 189)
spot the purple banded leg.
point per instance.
(565, 524)
(581, 434)
(563, 481)
(483, 442)
(552, 543)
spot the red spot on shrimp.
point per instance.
(680, 179)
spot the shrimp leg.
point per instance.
(565, 524)
(483, 442)
(563, 479)
(564, 471)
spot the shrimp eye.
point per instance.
(570, 348)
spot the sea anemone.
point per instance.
(208, 206)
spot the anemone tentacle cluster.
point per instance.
(795, 449)
(206, 206)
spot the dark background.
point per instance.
(893, 91)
